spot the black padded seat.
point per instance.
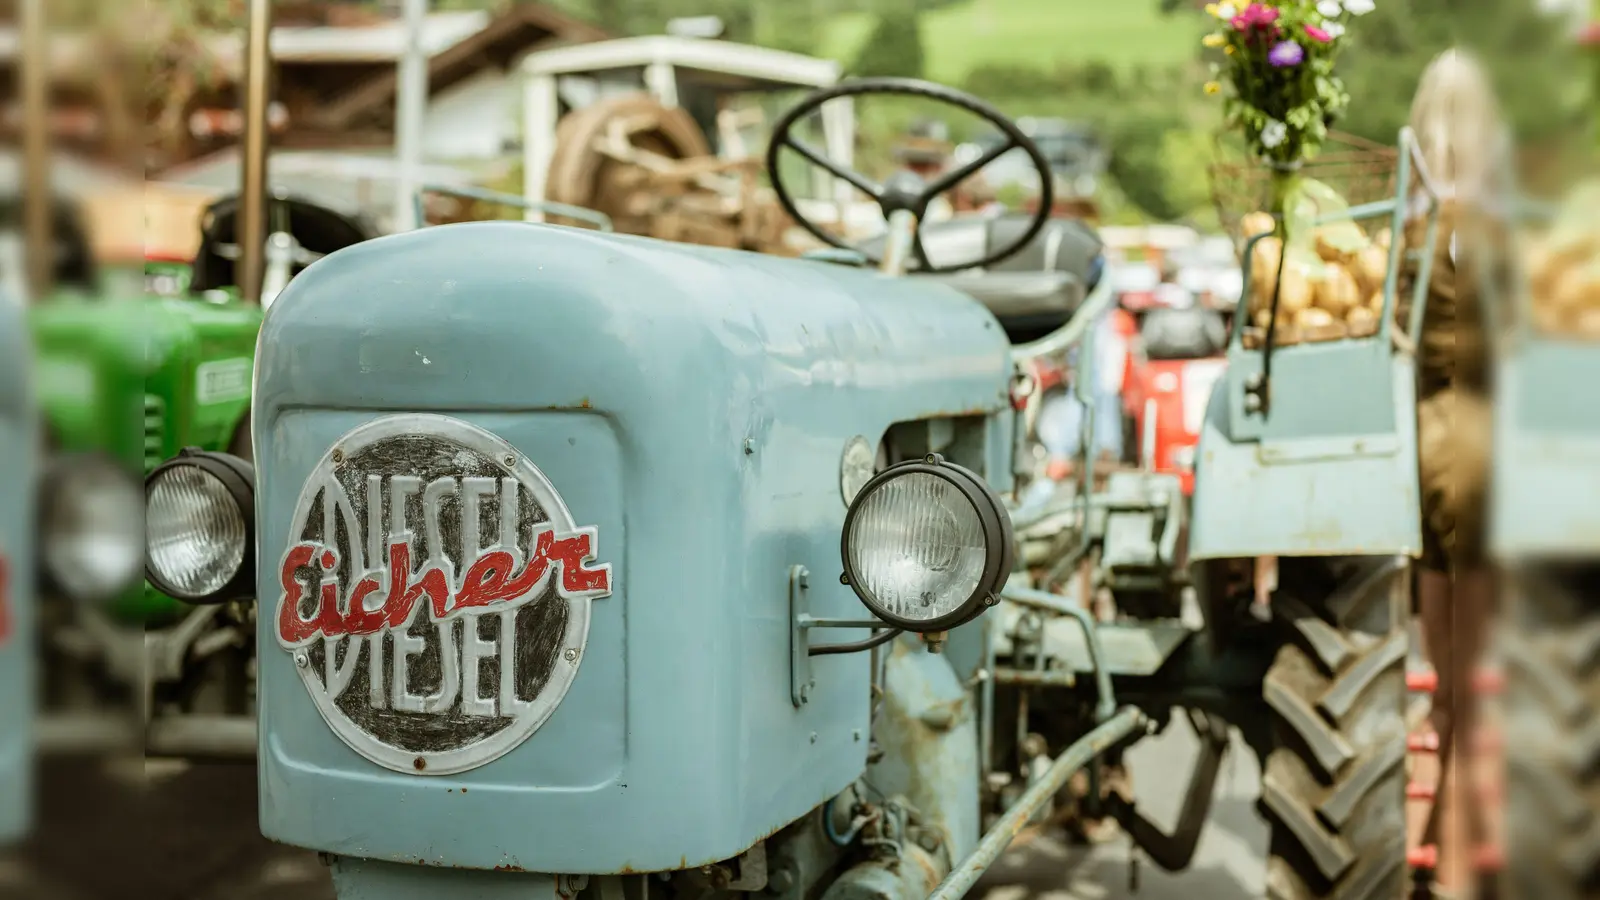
(1033, 292)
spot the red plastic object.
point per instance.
(1424, 857)
(1488, 858)
(1418, 791)
(1422, 681)
(1423, 742)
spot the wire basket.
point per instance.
(1361, 171)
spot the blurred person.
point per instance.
(925, 150)
(1457, 124)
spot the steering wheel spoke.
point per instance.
(954, 177)
(856, 180)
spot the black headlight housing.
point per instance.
(196, 496)
(943, 483)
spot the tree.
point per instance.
(895, 45)
(1529, 55)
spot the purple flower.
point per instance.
(1286, 53)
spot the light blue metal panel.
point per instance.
(1546, 479)
(693, 405)
(1343, 484)
(18, 451)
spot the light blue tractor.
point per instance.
(1307, 512)
(593, 564)
(1544, 532)
(19, 449)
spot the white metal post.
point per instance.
(538, 139)
(411, 101)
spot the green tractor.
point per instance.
(129, 375)
(140, 353)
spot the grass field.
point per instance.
(1041, 33)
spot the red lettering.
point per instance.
(291, 628)
(362, 620)
(488, 580)
(575, 578)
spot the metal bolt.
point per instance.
(813, 737)
(571, 654)
(1252, 403)
(510, 461)
(419, 764)
(338, 455)
(749, 446)
(301, 660)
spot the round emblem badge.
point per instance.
(434, 593)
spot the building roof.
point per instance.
(755, 67)
(499, 40)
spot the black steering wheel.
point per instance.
(906, 192)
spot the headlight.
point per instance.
(200, 527)
(91, 529)
(926, 545)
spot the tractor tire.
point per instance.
(1333, 777)
(1551, 648)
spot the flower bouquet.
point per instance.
(1281, 94)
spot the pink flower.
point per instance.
(1255, 17)
(1317, 34)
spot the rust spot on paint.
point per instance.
(508, 867)
(585, 404)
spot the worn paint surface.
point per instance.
(18, 448)
(928, 729)
(692, 405)
(1330, 470)
(1546, 461)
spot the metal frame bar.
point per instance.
(38, 225)
(1104, 736)
(600, 220)
(253, 188)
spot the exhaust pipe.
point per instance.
(36, 192)
(252, 226)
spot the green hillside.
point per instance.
(1040, 33)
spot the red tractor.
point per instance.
(1175, 357)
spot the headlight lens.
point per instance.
(91, 529)
(197, 527)
(926, 545)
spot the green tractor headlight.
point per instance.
(91, 529)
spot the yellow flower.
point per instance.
(1211, 10)
(1228, 50)
(1213, 88)
(1214, 40)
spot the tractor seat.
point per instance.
(1033, 292)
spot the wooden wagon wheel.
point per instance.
(582, 174)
